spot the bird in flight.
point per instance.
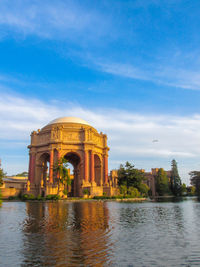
(155, 141)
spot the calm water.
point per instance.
(100, 234)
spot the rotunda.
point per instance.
(81, 145)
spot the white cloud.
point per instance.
(165, 75)
(130, 135)
(51, 19)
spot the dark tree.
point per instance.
(195, 181)
(175, 179)
(129, 177)
(183, 189)
(162, 183)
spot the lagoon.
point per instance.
(100, 233)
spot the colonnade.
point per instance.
(89, 166)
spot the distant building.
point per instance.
(150, 176)
(13, 186)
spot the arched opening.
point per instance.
(97, 170)
(44, 170)
(74, 165)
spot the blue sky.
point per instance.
(130, 68)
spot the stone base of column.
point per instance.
(85, 184)
(96, 191)
(51, 189)
(109, 191)
(93, 184)
(33, 190)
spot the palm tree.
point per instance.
(63, 176)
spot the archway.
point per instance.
(97, 170)
(74, 160)
(44, 170)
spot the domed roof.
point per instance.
(68, 120)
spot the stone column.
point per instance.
(86, 166)
(30, 168)
(59, 156)
(51, 167)
(92, 166)
(32, 178)
(106, 169)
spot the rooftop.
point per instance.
(69, 120)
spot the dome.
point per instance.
(68, 120)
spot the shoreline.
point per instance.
(100, 199)
(81, 200)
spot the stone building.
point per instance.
(13, 186)
(150, 176)
(81, 145)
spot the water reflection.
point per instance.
(100, 234)
(66, 234)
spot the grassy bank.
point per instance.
(30, 197)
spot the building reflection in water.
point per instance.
(67, 234)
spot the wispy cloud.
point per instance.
(130, 135)
(69, 20)
(163, 75)
(51, 19)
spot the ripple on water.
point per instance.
(100, 234)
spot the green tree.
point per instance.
(123, 190)
(144, 189)
(63, 177)
(23, 174)
(195, 181)
(128, 177)
(133, 192)
(2, 174)
(162, 183)
(175, 179)
(192, 191)
(183, 189)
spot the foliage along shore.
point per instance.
(30, 197)
(120, 198)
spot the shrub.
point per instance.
(65, 192)
(85, 191)
(53, 197)
(39, 197)
(123, 190)
(144, 189)
(133, 192)
(28, 197)
(101, 197)
(12, 197)
(49, 197)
